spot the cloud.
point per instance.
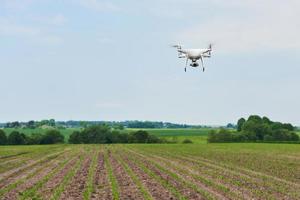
(99, 5)
(248, 26)
(10, 29)
(16, 5)
(58, 20)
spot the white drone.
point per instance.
(194, 55)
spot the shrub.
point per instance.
(52, 137)
(3, 138)
(187, 141)
(16, 138)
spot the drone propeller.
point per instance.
(178, 46)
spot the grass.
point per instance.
(176, 132)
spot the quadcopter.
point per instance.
(194, 55)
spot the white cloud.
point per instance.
(99, 5)
(58, 20)
(16, 5)
(255, 25)
(11, 29)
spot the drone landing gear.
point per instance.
(185, 69)
(203, 69)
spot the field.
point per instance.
(178, 135)
(158, 171)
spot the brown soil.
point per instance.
(128, 189)
(47, 190)
(76, 187)
(183, 189)
(13, 194)
(102, 187)
(16, 173)
(156, 190)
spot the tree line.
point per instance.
(97, 134)
(103, 134)
(18, 138)
(256, 129)
(82, 124)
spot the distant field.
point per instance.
(196, 135)
(145, 171)
(177, 132)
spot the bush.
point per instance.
(3, 138)
(52, 137)
(16, 138)
(102, 134)
(256, 129)
(223, 135)
(187, 141)
(35, 138)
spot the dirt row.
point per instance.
(102, 189)
(243, 185)
(77, 185)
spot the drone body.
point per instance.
(194, 55)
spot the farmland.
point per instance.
(145, 171)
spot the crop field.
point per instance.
(158, 171)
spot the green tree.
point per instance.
(3, 137)
(31, 124)
(52, 137)
(240, 124)
(16, 138)
(76, 138)
(139, 136)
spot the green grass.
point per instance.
(176, 132)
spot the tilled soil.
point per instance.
(155, 188)
(128, 189)
(76, 187)
(185, 191)
(10, 176)
(13, 194)
(47, 190)
(102, 186)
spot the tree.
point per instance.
(31, 124)
(3, 137)
(240, 124)
(76, 138)
(15, 124)
(52, 137)
(230, 125)
(139, 136)
(34, 138)
(16, 138)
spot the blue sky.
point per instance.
(111, 60)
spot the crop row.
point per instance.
(132, 172)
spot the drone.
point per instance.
(194, 55)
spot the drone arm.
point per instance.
(186, 63)
(202, 62)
